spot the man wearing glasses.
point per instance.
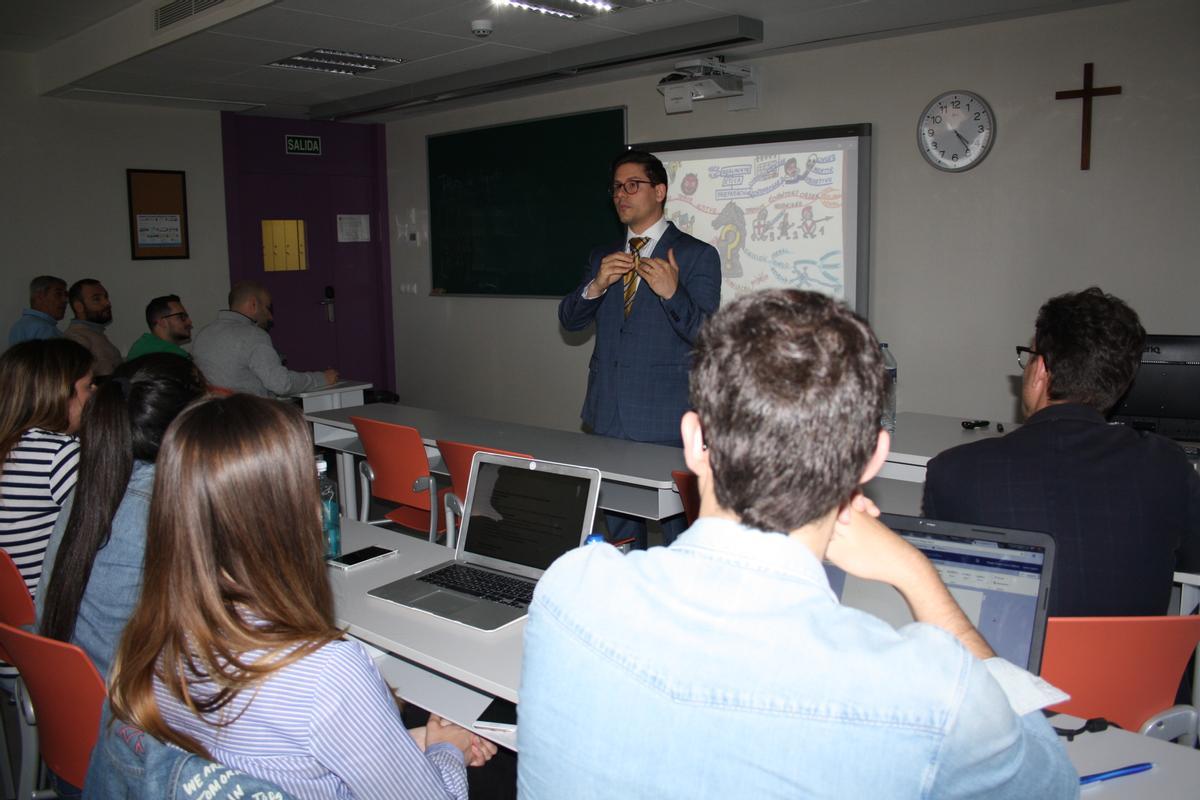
(648, 294)
(170, 326)
(1119, 502)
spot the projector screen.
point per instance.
(783, 209)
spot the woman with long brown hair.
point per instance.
(232, 652)
(44, 385)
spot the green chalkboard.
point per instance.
(515, 209)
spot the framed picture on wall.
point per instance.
(158, 225)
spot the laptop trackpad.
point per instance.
(443, 603)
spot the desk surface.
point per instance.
(489, 662)
(1176, 770)
(335, 388)
(635, 463)
(920, 437)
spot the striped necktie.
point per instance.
(635, 245)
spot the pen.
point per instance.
(1132, 769)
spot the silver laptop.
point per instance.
(1001, 578)
(519, 515)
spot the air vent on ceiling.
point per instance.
(180, 10)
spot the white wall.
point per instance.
(64, 207)
(960, 262)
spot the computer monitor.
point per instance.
(1165, 395)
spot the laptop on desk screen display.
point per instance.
(519, 516)
(1001, 579)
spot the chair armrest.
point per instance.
(366, 478)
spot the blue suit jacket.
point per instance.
(638, 375)
(1119, 503)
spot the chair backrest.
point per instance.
(68, 697)
(689, 493)
(16, 605)
(1125, 669)
(457, 457)
(397, 455)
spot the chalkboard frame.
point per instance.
(860, 131)
(550, 238)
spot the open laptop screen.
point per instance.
(525, 516)
(1000, 578)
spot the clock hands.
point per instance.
(963, 139)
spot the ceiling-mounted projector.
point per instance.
(702, 79)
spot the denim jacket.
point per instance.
(116, 579)
(129, 764)
(724, 666)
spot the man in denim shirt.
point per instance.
(724, 665)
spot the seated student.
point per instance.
(44, 386)
(234, 351)
(724, 665)
(93, 313)
(232, 652)
(170, 326)
(96, 551)
(47, 305)
(1118, 501)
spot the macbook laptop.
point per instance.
(1001, 579)
(519, 515)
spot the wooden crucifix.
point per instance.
(1087, 93)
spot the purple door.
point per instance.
(337, 311)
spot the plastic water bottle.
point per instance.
(330, 513)
(888, 421)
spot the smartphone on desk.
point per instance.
(356, 558)
(500, 715)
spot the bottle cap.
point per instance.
(593, 538)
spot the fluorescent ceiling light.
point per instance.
(336, 62)
(572, 9)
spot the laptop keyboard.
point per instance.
(502, 589)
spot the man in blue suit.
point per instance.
(648, 302)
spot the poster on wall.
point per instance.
(785, 209)
(158, 225)
(159, 230)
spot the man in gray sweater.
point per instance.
(235, 352)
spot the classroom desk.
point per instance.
(636, 477)
(920, 437)
(342, 394)
(454, 670)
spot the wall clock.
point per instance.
(956, 131)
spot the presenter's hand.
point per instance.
(612, 269)
(331, 377)
(662, 276)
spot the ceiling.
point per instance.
(224, 64)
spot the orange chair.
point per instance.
(1125, 669)
(16, 609)
(457, 458)
(397, 470)
(16, 606)
(689, 493)
(68, 696)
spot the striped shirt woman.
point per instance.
(38, 475)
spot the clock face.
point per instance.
(956, 131)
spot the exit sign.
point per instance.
(302, 145)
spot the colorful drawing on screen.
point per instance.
(776, 219)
